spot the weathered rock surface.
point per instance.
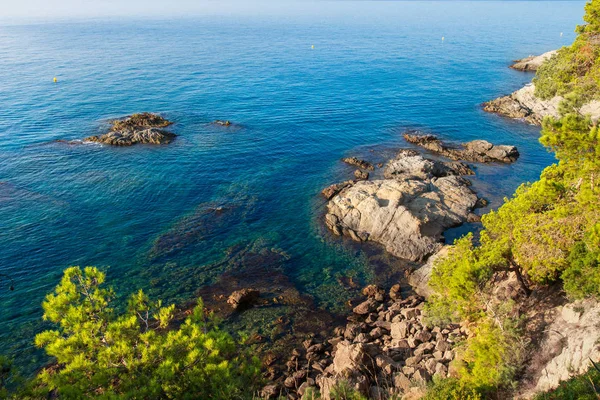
(144, 128)
(532, 63)
(372, 353)
(419, 279)
(475, 151)
(408, 211)
(334, 189)
(361, 175)
(242, 299)
(362, 164)
(524, 105)
(569, 343)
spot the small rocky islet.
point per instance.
(142, 128)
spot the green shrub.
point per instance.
(451, 389)
(100, 353)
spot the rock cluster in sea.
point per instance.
(143, 128)
(385, 349)
(475, 151)
(408, 211)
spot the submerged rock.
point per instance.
(141, 128)
(222, 123)
(475, 151)
(532, 63)
(242, 299)
(362, 164)
(361, 175)
(408, 211)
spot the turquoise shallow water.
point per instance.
(162, 218)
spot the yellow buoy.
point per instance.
(55, 80)
(443, 38)
(313, 46)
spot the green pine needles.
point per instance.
(140, 353)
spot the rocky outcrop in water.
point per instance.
(408, 211)
(475, 151)
(532, 63)
(242, 299)
(362, 164)
(144, 128)
(384, 350)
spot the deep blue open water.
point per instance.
(166, 218)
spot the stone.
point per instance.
(270, 392)
(349, 357)
(532, 63)
(242, 299)
(442, 346)
(431, 365)
(395, 292)
(400, 330)
(476, 151)
(524, 105)
(334, 189)
(421, 375)
(571, 314)
(222, 122)
(407, 212)
(366, 307)
(376, 333)
(410, 313)
(386, 364)
(143, 128)
(361, 175)
(413, 361)
(289, 382)
(362, 164)
(402, 382)
(352, 330)
(441, 370)
(569, 343)
(372, 291)
(423, 336)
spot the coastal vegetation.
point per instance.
(574, 72)
(142, 352)
(546, 238)
(547, 234)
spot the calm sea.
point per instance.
(172, 219)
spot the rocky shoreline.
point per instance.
(525, 106)
(532, 63)
(419, 198)
(385, 349)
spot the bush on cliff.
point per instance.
(547, 232)
(575, 69)
(100, 353)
